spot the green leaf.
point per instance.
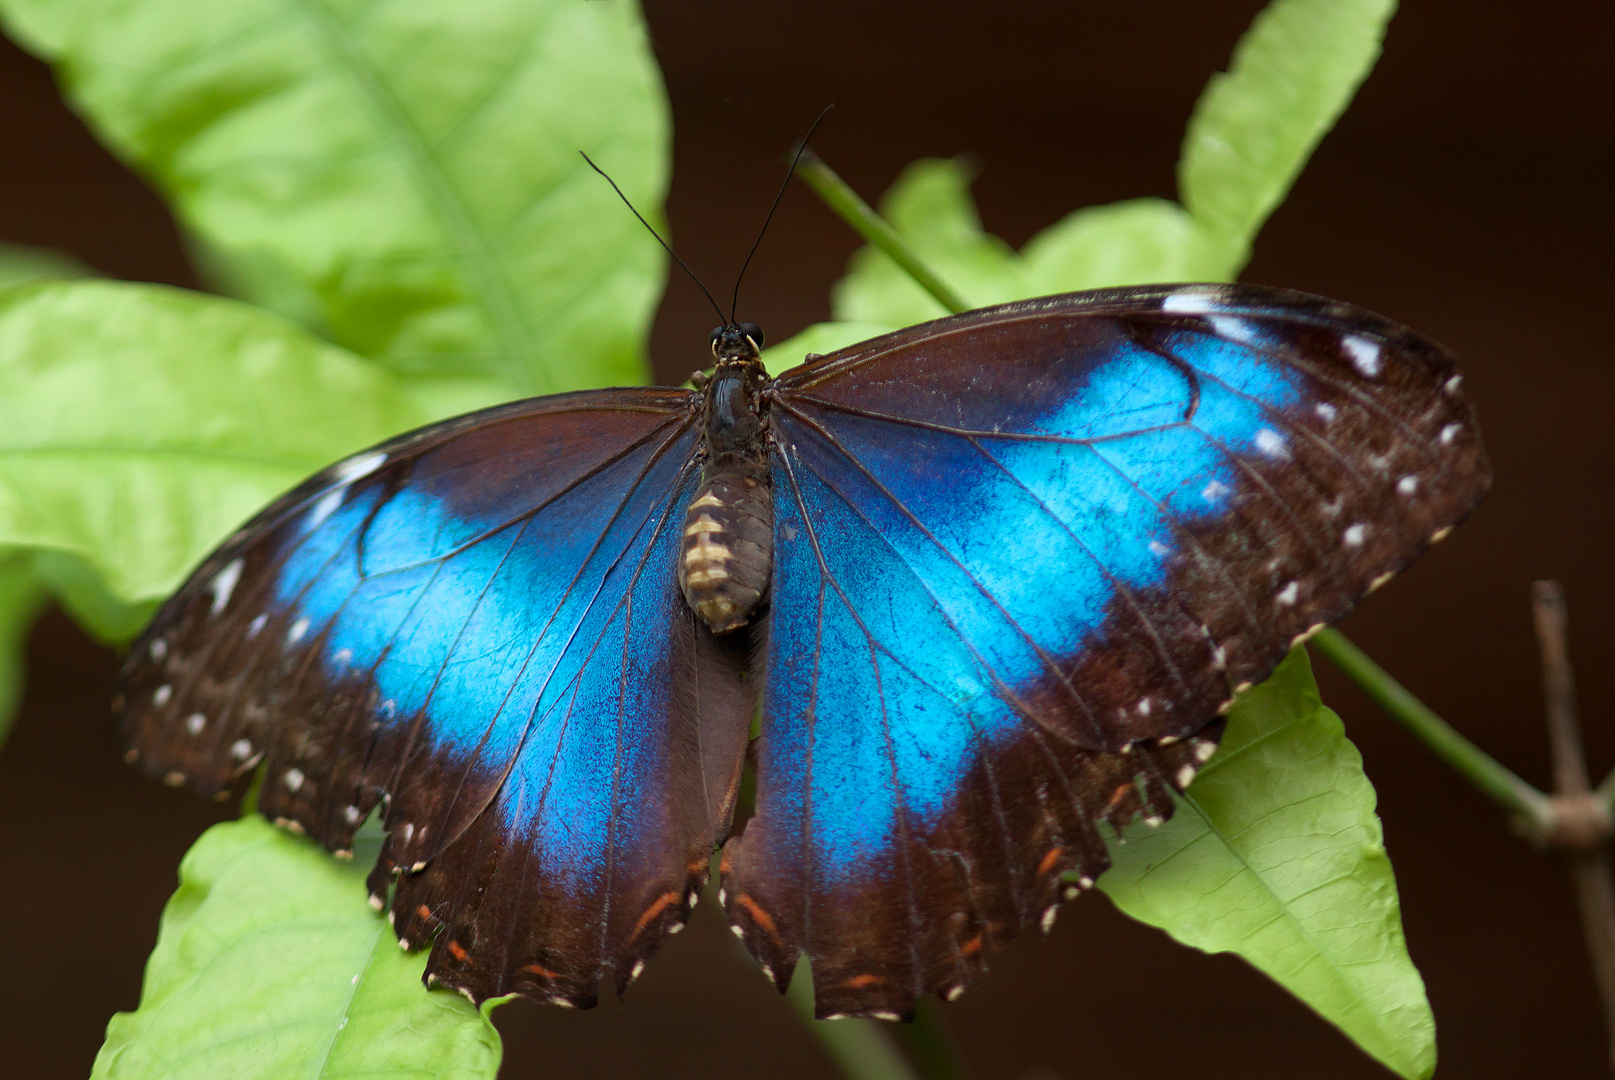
(19, 263)
(1293, 74)
(21, 596)
(1275, 853)
(402, 176)
(930, 207)
(1136, 242)
(142, 423)
(269, 963)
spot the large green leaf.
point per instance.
(141, 423)
(20, 597)
(403, 175)
(1293, 74)
(1275, 853)
(270, 964)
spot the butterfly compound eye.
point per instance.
(753, 331)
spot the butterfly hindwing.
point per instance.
(474, 628)
(1023, 558)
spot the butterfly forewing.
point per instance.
(1024, 557)
(473, 626)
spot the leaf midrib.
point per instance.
(494, 293)
(1282, 907)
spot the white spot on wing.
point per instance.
(293, 779)
(1047, 922)
(324, 508)
(1214, 490)
(954, 993)
(241, 749)
(351, 815)
(195, 722)
(256, 625)
(1448, 433)
(160, 698)
(1353, 537)
(1327, 411)
(1204, 750)
(1451, 385)
(159, 648)
(1408, 484)
(1185, 776)
(223, 584)
(1271, 443)
(1288, 594)
(346, 472)
(1189, 303)
(1364, 353)
(295, 634)
(1159, 549)
(1233, 329)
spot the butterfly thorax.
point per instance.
(724, 564)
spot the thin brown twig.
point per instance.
(1580, 811)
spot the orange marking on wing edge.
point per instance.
(457, 952)
(971, 946)
(858, 982)
(1118, 795)
(658, 906)
(759, 916)
(540, 970)
(424, 912)
(1050, 860)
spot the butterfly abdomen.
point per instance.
(728, 545)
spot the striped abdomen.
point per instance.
(728, 546)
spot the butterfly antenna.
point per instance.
(801, 147)
(665, 245)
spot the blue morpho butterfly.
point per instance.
(991, 581)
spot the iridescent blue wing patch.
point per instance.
(1024, 557)
(476, 628)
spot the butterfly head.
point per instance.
(737, 342)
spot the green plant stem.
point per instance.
(1469, 760)
(860, 1048)
(874, 228)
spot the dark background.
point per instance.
(1466, 192)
